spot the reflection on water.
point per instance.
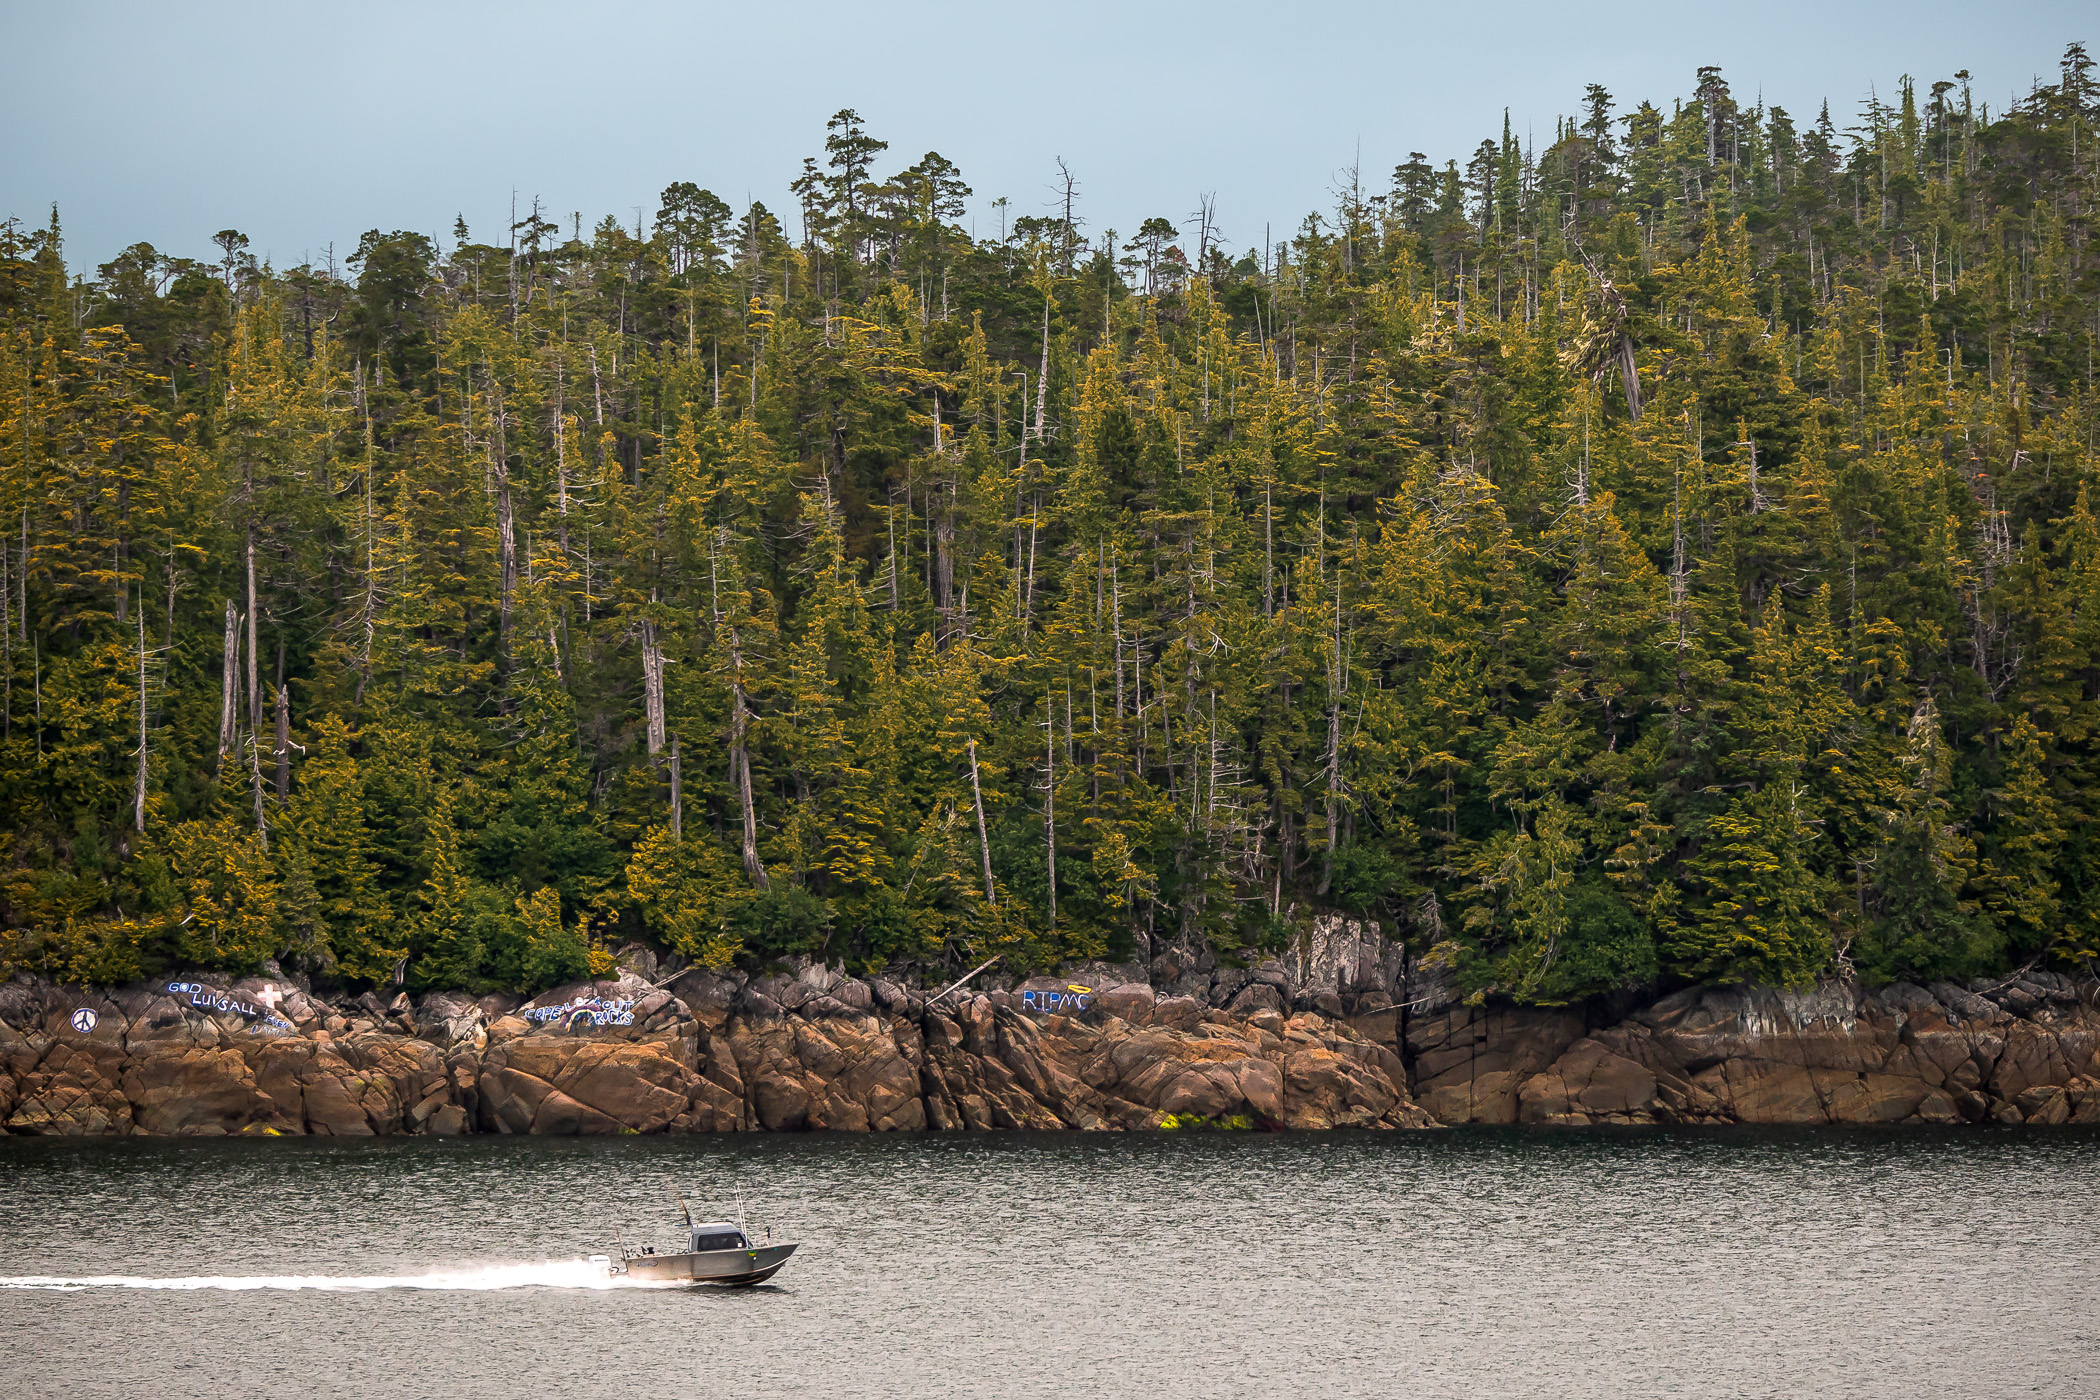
(1475, 1264)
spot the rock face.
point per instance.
(709, 1053)
(2026, 1051)
(1340, 1034)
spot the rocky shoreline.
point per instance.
(1343, 1035)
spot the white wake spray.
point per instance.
(552, 1273)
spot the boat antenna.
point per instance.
(620, 1242)
(686, 1208)
(740, 1211)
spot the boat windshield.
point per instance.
(731, 1240)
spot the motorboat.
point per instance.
(716, 1252)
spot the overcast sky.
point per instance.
(303, 124)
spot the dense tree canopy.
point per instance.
(1668, 554)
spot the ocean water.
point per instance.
(1474, 1264)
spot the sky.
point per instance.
(303, 125)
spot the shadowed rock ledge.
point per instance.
(1344, 1034)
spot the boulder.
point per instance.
(510, 1100)
(2044, 1104)
(708, 996)
(447, 1020)
(198, 1093)
(1589, 1084)
(67, 1090)
(1325, 1090)
(1257, 996)
(1470, 1063)
(1319, 999)
(449, 1120)
(1341, 955)
(1178, 1012)
(498, 1005)
(812, 1048)
(640, 1088)
(1129, 1001)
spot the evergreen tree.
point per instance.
(1665, 552)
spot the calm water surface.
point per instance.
(1474, 1264)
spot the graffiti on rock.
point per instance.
(1073, 998)
(265, 1021)
(584, 1011)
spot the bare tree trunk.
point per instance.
(944, 561)
(1335, 690)
(1042, 382)
(677, 794)
(364, 665)
(284, 736)
(598, 398)
(740, 762)
(984, 840)
(138, 805)
(1050, 799)
(262, 824)
(254, 681)
(506, 524)
(1028, 589)
(229, 680)
(653, 690)
(561, 477)
(1115, 594)
(1137, 693)
(1630, 377)
(892, 514)
(7, 652)
(1268, 551)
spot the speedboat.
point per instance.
(717, 1252)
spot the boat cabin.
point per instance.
(718, 1235)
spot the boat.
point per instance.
(717, 1252)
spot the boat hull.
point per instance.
(734, 1268)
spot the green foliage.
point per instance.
(1760, 905)
(554, 951)
(1629, 557)
(774, 923)
(687, 891)
(229, 888)
(1923, 928)
(1364, 877)
(332, 848)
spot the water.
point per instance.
(1474, 1264)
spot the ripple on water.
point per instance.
(1478, 1264)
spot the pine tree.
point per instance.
(326, 820)
(2025, 843)
(229, 891)
(1757, 910)
(1552, 562)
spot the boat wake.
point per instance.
(552, 1273)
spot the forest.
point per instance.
(1664, 554)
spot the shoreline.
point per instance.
(1261, 1048)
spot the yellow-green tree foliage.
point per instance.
(1662, 552)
